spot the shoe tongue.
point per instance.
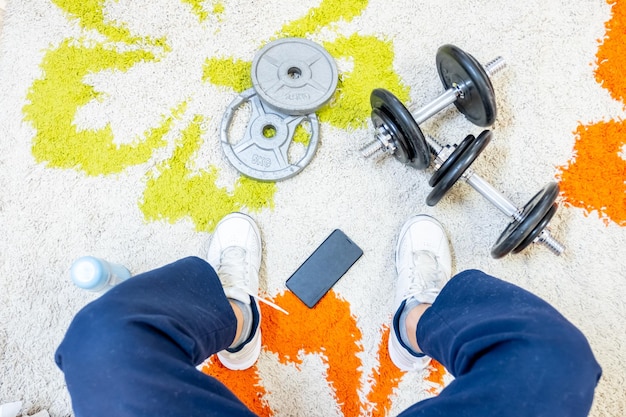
(427, 267)
(425, 262)
(233, 274)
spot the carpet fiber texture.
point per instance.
(110, 120)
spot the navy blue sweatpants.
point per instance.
(134, 351)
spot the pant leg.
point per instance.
(134, 350)
(511, 353)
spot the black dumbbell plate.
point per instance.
(403, 152)
(386, 107)
(457, 67)
(460, 160)
(536, 231)
(517, 233)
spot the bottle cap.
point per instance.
(89, 273)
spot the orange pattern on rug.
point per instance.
(595, 179)
(330, 331)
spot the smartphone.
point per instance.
(329, 262)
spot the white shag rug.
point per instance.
(110, 116)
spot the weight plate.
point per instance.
(400, 118)
(262, 153)
(451, 161)
(294, 75)
(402, 152)
(467, 154)
(458, 68)
(536, 231)
(532, 214)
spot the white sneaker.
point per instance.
(235, 253)
(424, 265)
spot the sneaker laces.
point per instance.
(426, 277)
(233, 270)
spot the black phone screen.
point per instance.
(329, 262)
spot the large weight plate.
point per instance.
(294, 75)
(403, 152)
(517, 232)
(457, 67)
(461, 159)
(536, 231)
(263, 152)
(451, 161)
(399, 119)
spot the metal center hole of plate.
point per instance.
(269, 131)
(294, 73)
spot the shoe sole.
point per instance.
(413, 364)
(253, 356)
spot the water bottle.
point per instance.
(97, 275)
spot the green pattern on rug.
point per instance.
(173, 191)
(185, 193)
(55, 99)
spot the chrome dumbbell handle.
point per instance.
(449, 96)
(495, 197)
(506, 206)
(383, 142)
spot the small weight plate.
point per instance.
(294, 75)
(532, 215)
(457, 67)
(467, 154)
(412, 137)
(264, 156)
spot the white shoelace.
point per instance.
(233, 272)
(426, 276)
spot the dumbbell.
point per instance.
(529, 223)
(467, 85)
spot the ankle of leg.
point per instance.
(244, 322)
(409, 319)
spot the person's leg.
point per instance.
(134, 351)
(510, 352)
(423, 265)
